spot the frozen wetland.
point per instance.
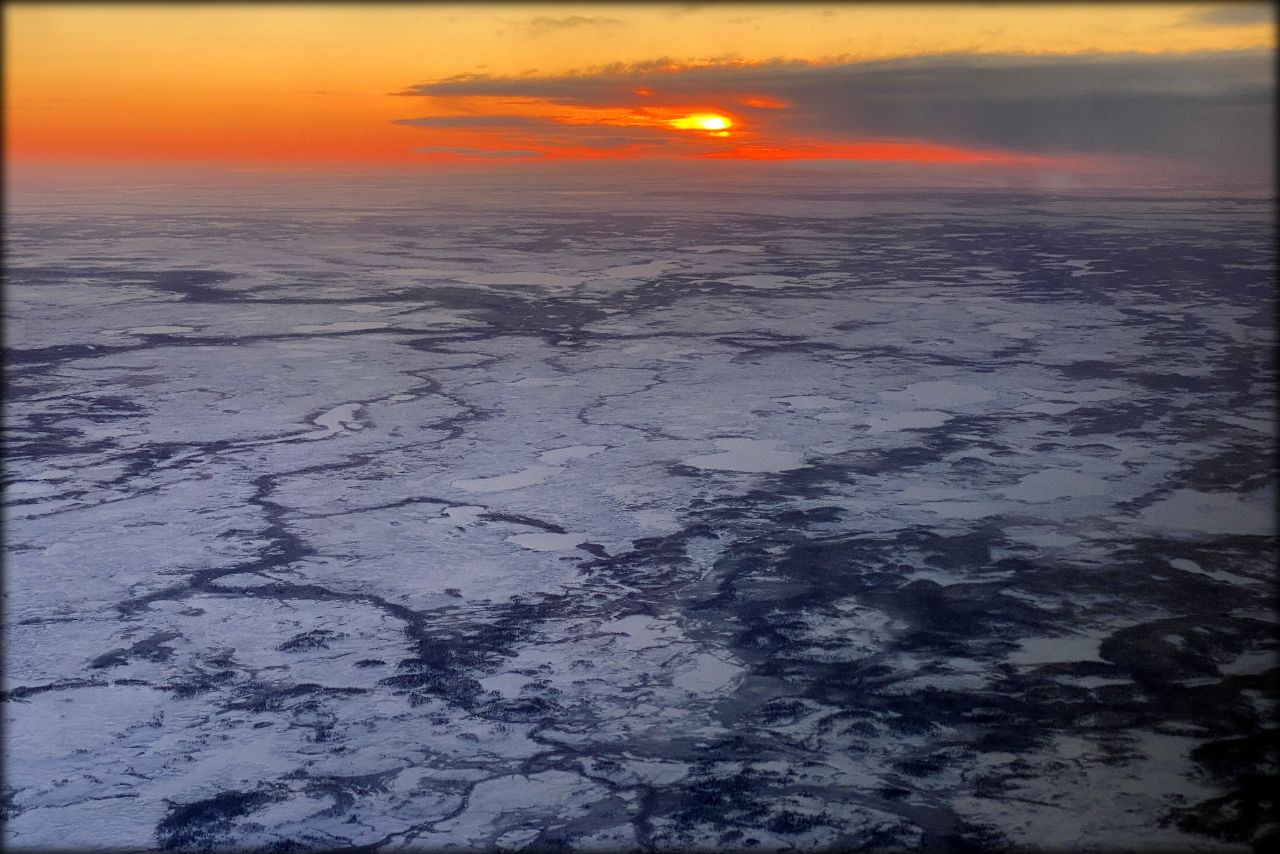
(760, 518)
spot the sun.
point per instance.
(711, 122)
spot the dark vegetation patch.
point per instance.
(202, 825)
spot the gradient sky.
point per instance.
(1095, 86)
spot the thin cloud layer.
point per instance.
(545, 24)
(474, 121)
(466, 151)
(1199, 108)
(1233, 15)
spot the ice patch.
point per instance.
(1023, 331)
(545, 279)
(658, 520)
(1259, 425)
(1049, 408)
(499, 483)
(1040, 537)
(541, 382)
(1251, 663)
(560, 456)
(159, 330)
(1082, 268)
(941, 393)
(638, 631)
(917, 420)
(1051, 650)
(340, 326)
(725, 247)
(1079, 396)
(337, 420)
(747, 455)
(961, 509)
(632, 271)
(705, 673)
(926, 492)
(27, 489)
(759, 280)
(812, 401)
(1214, 512)
(506, 684)
(1052, 484)
(465, 514)
(547, 542)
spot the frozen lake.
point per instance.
(447, 514)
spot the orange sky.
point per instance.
(306, 84)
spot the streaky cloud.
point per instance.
(546, 24)
(467, 151)
(1206, 107)
(475, 121)
(1233, 15)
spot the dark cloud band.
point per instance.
(1207, 106)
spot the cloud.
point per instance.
(1207, 107)
(1232, 15)
(544, 24)
(474, 121)
(469, 151)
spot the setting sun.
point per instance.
(703, 121)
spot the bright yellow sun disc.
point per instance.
(702, 121)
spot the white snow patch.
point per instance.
(506, 684)
(543, 541)
(547, 279)
(638, 631)
(941, 393)
(1082, 268)
(1214, 512)
(1050, 650)
(758, 280)
(1049, 408)
(1041, 537)
(660, 520)
(340, 326)
(464, 514)
(917, 420)
(499, 483)
(812, 401)
(1260, 425)
(631, 271)
(725, 247)
(1023, 331)
(540, 382)
(1251, 663)
(961, 509)
(1078, 396)
(1052, 484)
(747, 455)
(705, 673)
(159, 330)
(28, 489)
(560, 456)
(336, 420)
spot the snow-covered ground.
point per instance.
(858, 519)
